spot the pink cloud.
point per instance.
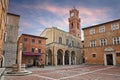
(54, 9)
(88, 16)
(26, 24)
(93, 16)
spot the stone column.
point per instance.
(55, 59)
(20, 57)
(69, 59)
(105, 61)
(46, 59)
(63, 59)
(52, 60)
(114, 60)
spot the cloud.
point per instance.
(88, 16)
(26, 24)
(54, 9)
(60, 15)
(93, 16)
(37, 17)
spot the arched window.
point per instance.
(60, 40)
(72, 25)
(77, 25)
(72, 43)
(67, 41)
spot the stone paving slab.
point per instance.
(1, 73)
(72, 73)
(95, 76)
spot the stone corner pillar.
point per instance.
(69, 59)
(63, 59)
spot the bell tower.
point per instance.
(74, 23)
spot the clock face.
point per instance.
(72, 14)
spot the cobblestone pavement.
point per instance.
(78, 72)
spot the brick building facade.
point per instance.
(3, 15)
(102, 43)
(33, 50)
(10, 39)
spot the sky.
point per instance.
(36, 15)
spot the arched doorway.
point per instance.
(73, 59)
(66, 57)
(59, 57)
(49, 56)
(35, 61)
(83, 57)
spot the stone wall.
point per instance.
(10, 43)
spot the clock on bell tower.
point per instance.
(74, 23)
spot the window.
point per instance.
(103, 42)
(102, 29)
(67, 41)
(33, 49)
(5, 36)
(78, 26)
(24, 49)
(115, 26)
(39, 50)
(72, 43)
(93, 55)
(3, 52)
(78, 45)
(72, 25)
(60, 40)
(33, 41)
(39, 41)
(25, 39)
(116, 40)
(92, 31)
(92, 43)
(118, 54)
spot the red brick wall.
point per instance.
(29, 45)
(99, 50)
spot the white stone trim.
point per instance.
(113, 55)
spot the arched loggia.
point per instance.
(59, 57)
(73, 58)
(49, 57)
(66, 57)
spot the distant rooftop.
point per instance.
(34, 36)
(13, 14)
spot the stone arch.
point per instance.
(49, 57)
(73, 58)
(60, 57)
(67, 57)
